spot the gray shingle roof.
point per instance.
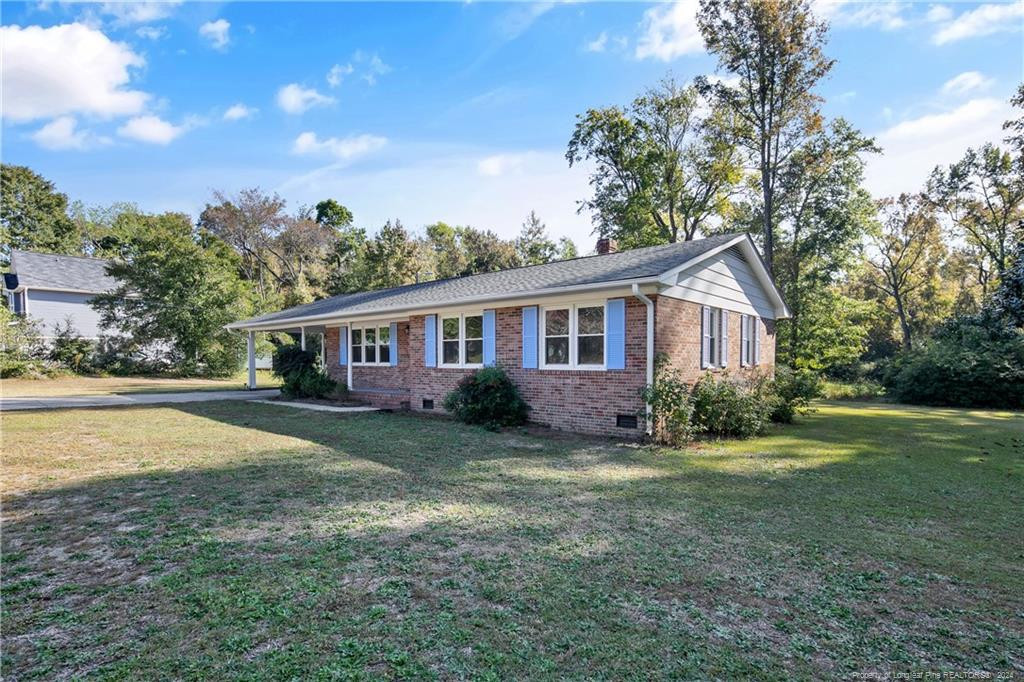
(51, 271)
(635, 264)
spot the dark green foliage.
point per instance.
(291, 359)
(723, 407)
(671, 406)
(302, 375)
(123, 356)
(21, 346)
(489, 398)
(794, 390)
(33, 214)
(69, 349)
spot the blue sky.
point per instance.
(439, 111)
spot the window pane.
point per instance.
(450, 328)
(450, 353)
(357, 337)
(371, 336)
(371, 353)
(474, 352)
(357, 353)
(590, 350)
(556, 323)
(384, 334)
(556, 351)
(385, 353)
(590, 320)
(475, 327)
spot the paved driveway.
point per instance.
(59, 402)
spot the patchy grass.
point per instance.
(248, 541)
(83, 385)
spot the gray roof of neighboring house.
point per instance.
(634, 264)
(63, 273)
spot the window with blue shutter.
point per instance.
(530, 337)
(489, 340)
(430, 341)
(615, 334)
(343, 346)
(393, 343)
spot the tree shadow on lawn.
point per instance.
(391, 545)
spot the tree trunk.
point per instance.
(769, 233)
(904, 324)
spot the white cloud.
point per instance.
(937, 13)
(151, 32)
(598, 44)
(338, 73)
(669, 31)
(144, 12)
(500, 164)
(295, 99)
(373, 66)
(65, 69)
(343, 148)
(62, 133)
(913, 147)
(844, 97)
(152, 129)
(886, 15)
(966, 83)
(237, 112)
(520, 16)
(981, 21)
(217, 33)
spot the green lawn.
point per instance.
(249, 541)
(85, 385)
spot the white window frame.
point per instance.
(573, 336)
(361, 327)
(715, 335)
(462, 315)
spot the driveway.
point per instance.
(60, 402)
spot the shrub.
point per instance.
(671, 407)
(291, 359)
(794, 390)
(69, 349)
(310, 382)
(489, 398)
(864, 389)
(723, 407)
(122, 356)
(22, 351)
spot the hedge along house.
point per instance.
(578, 337)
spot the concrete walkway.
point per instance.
(60, 402)
(319, 408)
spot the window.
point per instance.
(462, 340)
(753, 345)
(714, 350)
(574, 337)
(371, 345)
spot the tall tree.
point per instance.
(392, 258)
(447, 256)
(533, 246)
(663, 166)
(775, 48)
(329, 212)
(905, 260)
(1016, 126)
(486, 251)
(178, 288)
(983, 196)
(824, 214)
(567, 249)
(33, 215)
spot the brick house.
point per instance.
(578, 337)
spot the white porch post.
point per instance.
(348, 356)
(302, 338)
(251, 347)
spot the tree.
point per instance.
(486, 251)
(178, 288)
(392, 258)
(776, 50)
(329, 212)
(346, 262)
(533, 246)
(983, 196)
(33, 215)
(824, 215)
(446, 254)
(663, 167)
(1016, 126)
(460, 250)
(908, 252)
(566, 249)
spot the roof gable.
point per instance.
(61, 273)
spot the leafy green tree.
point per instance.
(824, 215)
(775, 48)
(566, 249)
(178, 288)
(663, 167)
(329, 212)
(33, 215)
(392, 258)
(445, 250)
(533, 246)
(836, 331)
(346, 263)
(1016, 126)
(103, 228)
(486, 251)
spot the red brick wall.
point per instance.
(372, 376)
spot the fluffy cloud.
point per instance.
(981, 21)
(144, 12)
(500, 164)
(338, 73)
(342, 148)
(151, 32)
(62, 133)
(938, 13)
(236, 112)
(966, 83)
(669, 31)
(598, 44)
(887, 16)
(217, 33)
(66, 69)
(152, 129)
(295, 99)
(373, 67)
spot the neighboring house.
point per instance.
(51, 288)
(578, 337)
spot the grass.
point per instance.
(863, 389)
(245, 541)
(84, 385)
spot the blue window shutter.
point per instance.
(430, 341)
(530, 337)
(342, 346)
(615, 334)
(393, 343)
(489, 338)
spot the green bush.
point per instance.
(862, 389)
(22, 351)
(489, 398)
(69, 349)
(122, 356)
(310, 382)
(671, 407)
(291, 359)
(794, 390)
(723, 407)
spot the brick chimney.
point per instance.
(606, 245)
